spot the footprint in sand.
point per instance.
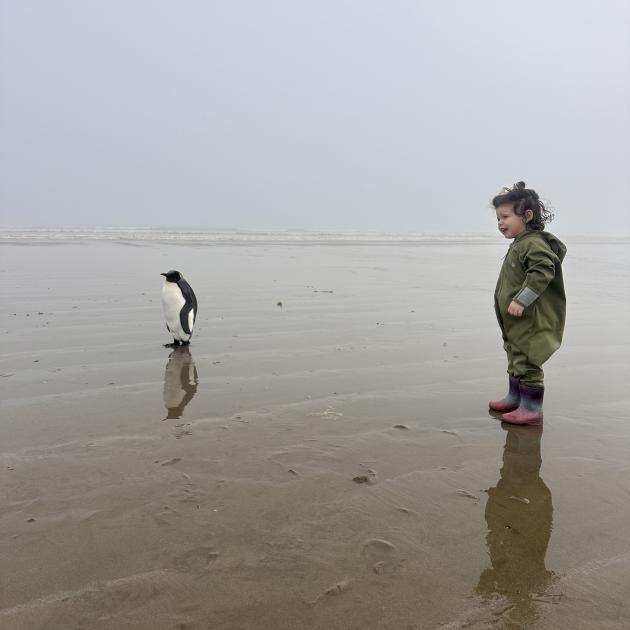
(197, 560)
(380, 554)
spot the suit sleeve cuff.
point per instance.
(526, 296)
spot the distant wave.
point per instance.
(69, 233)
(65, 234)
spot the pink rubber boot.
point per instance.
(511, 399)
(530, 409)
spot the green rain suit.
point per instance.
(532, 276)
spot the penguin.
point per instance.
(180, 308)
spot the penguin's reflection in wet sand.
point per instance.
(519, 516)
(180, 382)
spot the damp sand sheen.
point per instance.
(321, 455)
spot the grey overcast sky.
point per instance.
(339, 114)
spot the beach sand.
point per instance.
(329, 463)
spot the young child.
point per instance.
(529, 300)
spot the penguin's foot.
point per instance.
(175, 344)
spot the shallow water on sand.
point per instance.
(327, 463)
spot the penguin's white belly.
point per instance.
(173, 302)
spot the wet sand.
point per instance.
(326, 464)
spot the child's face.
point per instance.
(511, 224)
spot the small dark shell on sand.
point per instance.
(335, 589)
(363, 479)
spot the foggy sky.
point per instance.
(364, 114)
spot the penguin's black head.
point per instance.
(172, 275)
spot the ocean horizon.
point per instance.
(68, 233)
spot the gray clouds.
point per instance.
(334, 114)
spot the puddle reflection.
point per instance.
(519, 517)
(180, 382)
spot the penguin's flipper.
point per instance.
(167, 328)
(191, 302)
(183, 318)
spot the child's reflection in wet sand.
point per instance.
(519, 516)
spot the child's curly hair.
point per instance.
(523, 199)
